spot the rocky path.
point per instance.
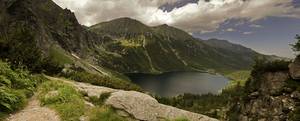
(34, 112)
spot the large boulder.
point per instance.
(138, 105)
(295, 68)
(146, 108)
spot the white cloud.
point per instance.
(255, 26)
(195, 17)
(247, 33)
(230, 30)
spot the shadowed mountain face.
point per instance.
(123, 45)
(140, 48)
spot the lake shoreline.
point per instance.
(171, 84)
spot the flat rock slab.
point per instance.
(146, 108)
(138, 105)
(34, 112)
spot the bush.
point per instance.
(15, 86)
(11, 100)
(21, 51)
(296, 47)
(262, 65)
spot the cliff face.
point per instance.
(49, 24)
(271, 96)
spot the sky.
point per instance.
(267, 26)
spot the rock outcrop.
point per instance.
(295, 68)
(137, 105)
(146, 108)
(269, 102)
(271, 96)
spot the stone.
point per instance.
(138, 105)
(294, 69)
(144, 107)
(295, 95)
(254, 95)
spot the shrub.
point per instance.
(11, 100)
(15, 86)
(296, 46)
(21, 51)
(262, 65)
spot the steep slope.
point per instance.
(53, 31)
(124, 45)
(163, 48)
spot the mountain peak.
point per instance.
(121, 26)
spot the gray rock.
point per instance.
(294, 69)
(145, 107)
(139, 105)
(296, 95)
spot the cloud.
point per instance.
(230, 30)
(247, 33)
(194, 17)
(255, 26)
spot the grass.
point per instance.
(178, 119)
(102, 81)
(105, 113)
(58, 55)
(128, 43)
(69, 103)
(238, 78)
(63, 98)
(99, 100)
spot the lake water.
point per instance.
(176, 83)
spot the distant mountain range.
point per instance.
(122, 45)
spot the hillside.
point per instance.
(119, 46)
(138, 48)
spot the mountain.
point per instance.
(122, 45)
(139, 48)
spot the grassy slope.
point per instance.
(238, 78)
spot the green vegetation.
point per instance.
(21, 50)
(105, 113)
(296, 47)
(102, 81)
(59, 56)
(63, 98)
(99, 100)
(15, 87)
(208, 104)
(69, 103)
(238, 78)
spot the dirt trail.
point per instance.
(34, 112)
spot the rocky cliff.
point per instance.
(272, 95)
